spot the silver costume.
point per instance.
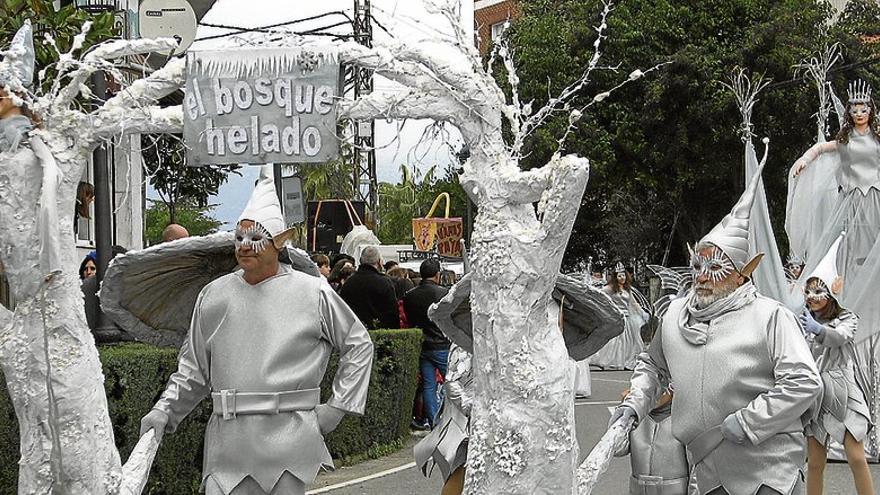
(261, 352)
(843, 406)
(446, 446)
(621, 351)
(743, 355)
(659, 462)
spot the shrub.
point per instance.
(136, 374)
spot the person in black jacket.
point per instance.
(435, 345)
(370, 294)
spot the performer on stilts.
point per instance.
(858, 208)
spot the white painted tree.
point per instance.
(522, 438)
(523, 420)
(47, 352)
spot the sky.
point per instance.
(397, 142)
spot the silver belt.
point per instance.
(656, 485)
(229, 403)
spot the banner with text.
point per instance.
(260, 105)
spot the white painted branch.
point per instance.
(99, 57)
(381, 60)
(136, 470)
(117, 120)
(562, 200)
(149, 90)
(406, 104)
(600, 457)
(526, 187)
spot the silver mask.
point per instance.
(717, 266)
(255, 237)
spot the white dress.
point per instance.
(621, 351)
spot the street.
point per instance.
(397, 474)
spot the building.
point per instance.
(489, 19)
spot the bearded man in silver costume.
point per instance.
(259, 343)
(744, 376)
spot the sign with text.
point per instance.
(294, 204)
(260, 105)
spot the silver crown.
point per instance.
(859, 92)
(619, 268)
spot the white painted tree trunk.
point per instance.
(522, 438)
(47, 352)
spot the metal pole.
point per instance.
(276, 171)
(105, 330)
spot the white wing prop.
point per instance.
(589, 317)
(150, 293)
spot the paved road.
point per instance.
(591, 416)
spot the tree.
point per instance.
(62, 24)
(175, 181)
(411, 198)
(197, 220)
(666, 154)
(47, 352)
(522, 421)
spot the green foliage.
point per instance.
(197, 220)
(330, 180)
(62, 24)
(666, 159)
(136, 374)
(177, 184)
(412, 198)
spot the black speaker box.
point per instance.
(334, 221)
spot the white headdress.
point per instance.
(17, 66)
(619, 268)
(859, 92)
(826, 270)
(731, 235)
(264, 207)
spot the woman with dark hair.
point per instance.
(89, 266)
(621, 351)
(857, 210)
(844, 414)
(340, 272)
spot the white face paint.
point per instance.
(717, 266)
(256, 237)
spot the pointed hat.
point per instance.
(826, 270)
(17, 66)
(731, 235)
(264, 207)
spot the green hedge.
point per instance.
(136, 374)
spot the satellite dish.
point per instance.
(168, 18)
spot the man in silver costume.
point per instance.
(744, 377)
(259, 343)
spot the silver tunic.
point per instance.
(275, 336)
(659, 461)
(858, 162)
(843, 406)
(446, 445)
(753, 362)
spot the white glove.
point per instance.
(154, 420)
(328, 417)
